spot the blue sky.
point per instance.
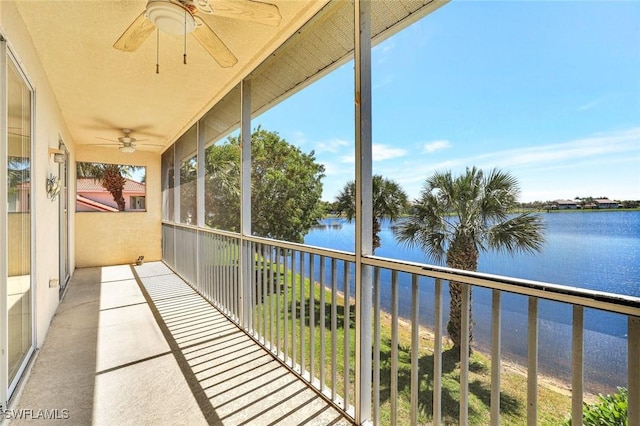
(549, 91)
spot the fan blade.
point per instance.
(107, 139)
(214, 46)
(263, 13)
(135, 35)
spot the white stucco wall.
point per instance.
(120, 237)
(49, 127)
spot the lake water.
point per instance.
(595, 250)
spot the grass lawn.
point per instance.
(302, 333)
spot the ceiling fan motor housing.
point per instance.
(170, 17)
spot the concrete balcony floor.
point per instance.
(149, 350)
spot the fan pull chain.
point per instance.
(184, 56)
(157, 51)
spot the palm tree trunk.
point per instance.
(461, 255)
(113, 182)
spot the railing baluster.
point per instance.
(415, 345)
(251, 286)
(257, 284)
(322, 325)
(232, 279)
(278, 302)
(207, 260)
(394, 347)
(229, 274)
(272, 300)
(633, 372)
(215, 267)
(376, 346)
(265, 294)
(219, 277)
(303, 317)
(293, 310)
(464, 354)
(312, 313)
(225, 272)
(578, 363)
(437, 355)
(347, 327)
(236, 280)
(235, 287)
(334, 328)
(285, 307)
(532, 363)
(496, 354)
(217, 273)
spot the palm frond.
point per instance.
(523, 233)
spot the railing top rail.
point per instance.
(337, 254)
(618, 303)
(321, 251)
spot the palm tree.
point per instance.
(455, 218)
(112, 177)
(389, 202)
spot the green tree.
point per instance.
(388, 199)
(18, 172)
(286, 186)
(457, 217)
(187, 191)
(222, 186)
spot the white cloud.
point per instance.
(382, 152)
(333, 169)
(595, 146)
(348, 159)
(589, 105)
(333, 145)
(544, 171)
(299, 138)
(611, 151)
(380, 53)
(379, 152)
(434, 146)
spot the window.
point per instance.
(136, 202)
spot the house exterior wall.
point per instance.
(106, 198)
(49, 128)
(120, 237)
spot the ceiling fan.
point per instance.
(128, 144)
(181, 17)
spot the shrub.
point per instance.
(608, 410)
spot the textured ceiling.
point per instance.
(101, 90)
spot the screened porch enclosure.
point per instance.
(349, 323)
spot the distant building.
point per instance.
(564, 205)
(605, 203)
(91, 196)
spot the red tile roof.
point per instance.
(95, 185)
(94, 204)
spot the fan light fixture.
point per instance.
(170, 17)
(127, 149)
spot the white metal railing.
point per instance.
(297, 303)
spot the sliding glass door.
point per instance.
(63, 200)
(17, 253)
